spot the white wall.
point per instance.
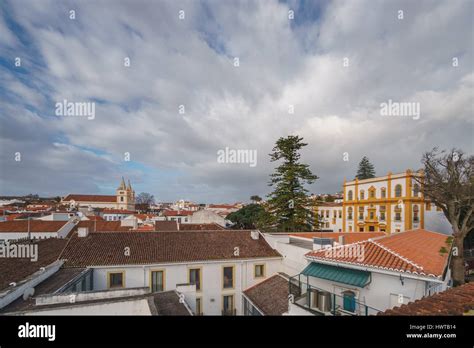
(132, 307)
(380, 292)
(207, 217)
(211, 284)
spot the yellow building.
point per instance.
(391, 203)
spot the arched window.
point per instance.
(398, 190)
(383, 192)
(362, 194)
(372, 193)
(416, 190)
(349, 213)
(349, 195)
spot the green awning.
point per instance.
(338, 274)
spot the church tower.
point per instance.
(125, 196)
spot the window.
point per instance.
(327, 213)
(361, 213)
(372, 193)
(259, 271)
(228, 277)
(416, 190)
(121, 199)
(198, 306)
(361, 229)
(335, 213)
(116, 279)
(371, 215)
(349, 213)
(383, 192)
(398, 216)
(416, 217)
(228, 305)
(157, 281)
(398, 191)
(350, 228)
(362, 194)
(349, 195)
(195, 277)
(340, 214)
(327, 224)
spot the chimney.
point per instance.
(254, 234)
(321, 243)
(83, 232)
(342, 240)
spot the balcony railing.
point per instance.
(229, 312)
(322, 302)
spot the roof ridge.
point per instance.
(396, 254)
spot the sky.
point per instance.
(175, 82)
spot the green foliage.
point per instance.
(289, 203)
(443, 250)
(366, 169)
(247, 217)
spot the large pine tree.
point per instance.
(366, 169)
(289, 203)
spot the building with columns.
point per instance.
(391, 203)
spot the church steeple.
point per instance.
(122, 185)
(129, 186)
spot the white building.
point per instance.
(374, 275)
(35, 229)
(220, 264)
(123, 199)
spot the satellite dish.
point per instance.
(28, 293)
(12, 284)
(42, 269)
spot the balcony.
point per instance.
(229, 312)
(321, 302)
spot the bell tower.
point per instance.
(122, 195)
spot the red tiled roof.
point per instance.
(103, 226)
(35, 226)
(118, 211)
(270, 295)
(91, 198)
(100, 249)
(177, 213)
(16, 269)
(349, 237)
(95, 218)
(166, 226)
(415, 251)
(454, 301)
(200, 227)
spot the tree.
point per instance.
(247, 217)
(144, 200)
(366, 169)
(256, 199)
(289, 202)
(448, 182)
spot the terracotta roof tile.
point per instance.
(16, 269)
(158, 247)
(270, 295)
(415, 251)
(35, 226)
(454, 301)
(91, 198)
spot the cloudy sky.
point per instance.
(334, 63)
